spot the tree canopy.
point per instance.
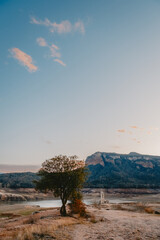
(64, 176)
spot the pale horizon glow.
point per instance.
(78, 79)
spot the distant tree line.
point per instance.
(18, 180)
(26, 180)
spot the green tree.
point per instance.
(64, 176)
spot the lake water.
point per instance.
(58, 203)
(152, 198)
(52, 203)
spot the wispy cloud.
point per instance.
(62, 27)
(138, 132)
(54, 46)
(24, 59)
(121, 130)
(60, 62)
(79, 26)
(145, 129)
(54, 50)
(149, 132)
(41, 42)
(154, 128)
(135, 127)
(134, 139)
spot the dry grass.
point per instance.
(9, 215)
(136, 207)
(42, 231)
(32, 219)
(35, 228)
(93, 219)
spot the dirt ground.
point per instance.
(119, 225)
(109, 222)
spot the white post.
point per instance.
(102, 197)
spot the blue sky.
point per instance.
(78, 77)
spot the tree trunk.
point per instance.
(63, 209)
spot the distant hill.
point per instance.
(18, 180)
(131, 170)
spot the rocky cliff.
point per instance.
(123, 170)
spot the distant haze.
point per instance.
(5, 168)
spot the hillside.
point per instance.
(114, 170)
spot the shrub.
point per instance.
(149, 210)
(78, 207)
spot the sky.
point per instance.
(77, 77)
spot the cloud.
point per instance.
(121, 130)
(134, 139)
(149, 132)
(154, 128)
(53, 50)
(54, 46)
(24, 59)
(135, 127)
(79, 26)
(130, 132)
(60, 62)
(41, 42)
(62, 27)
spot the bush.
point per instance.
(78, 207)
(149, 210)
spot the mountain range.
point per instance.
(112, 170)
(106, 170)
